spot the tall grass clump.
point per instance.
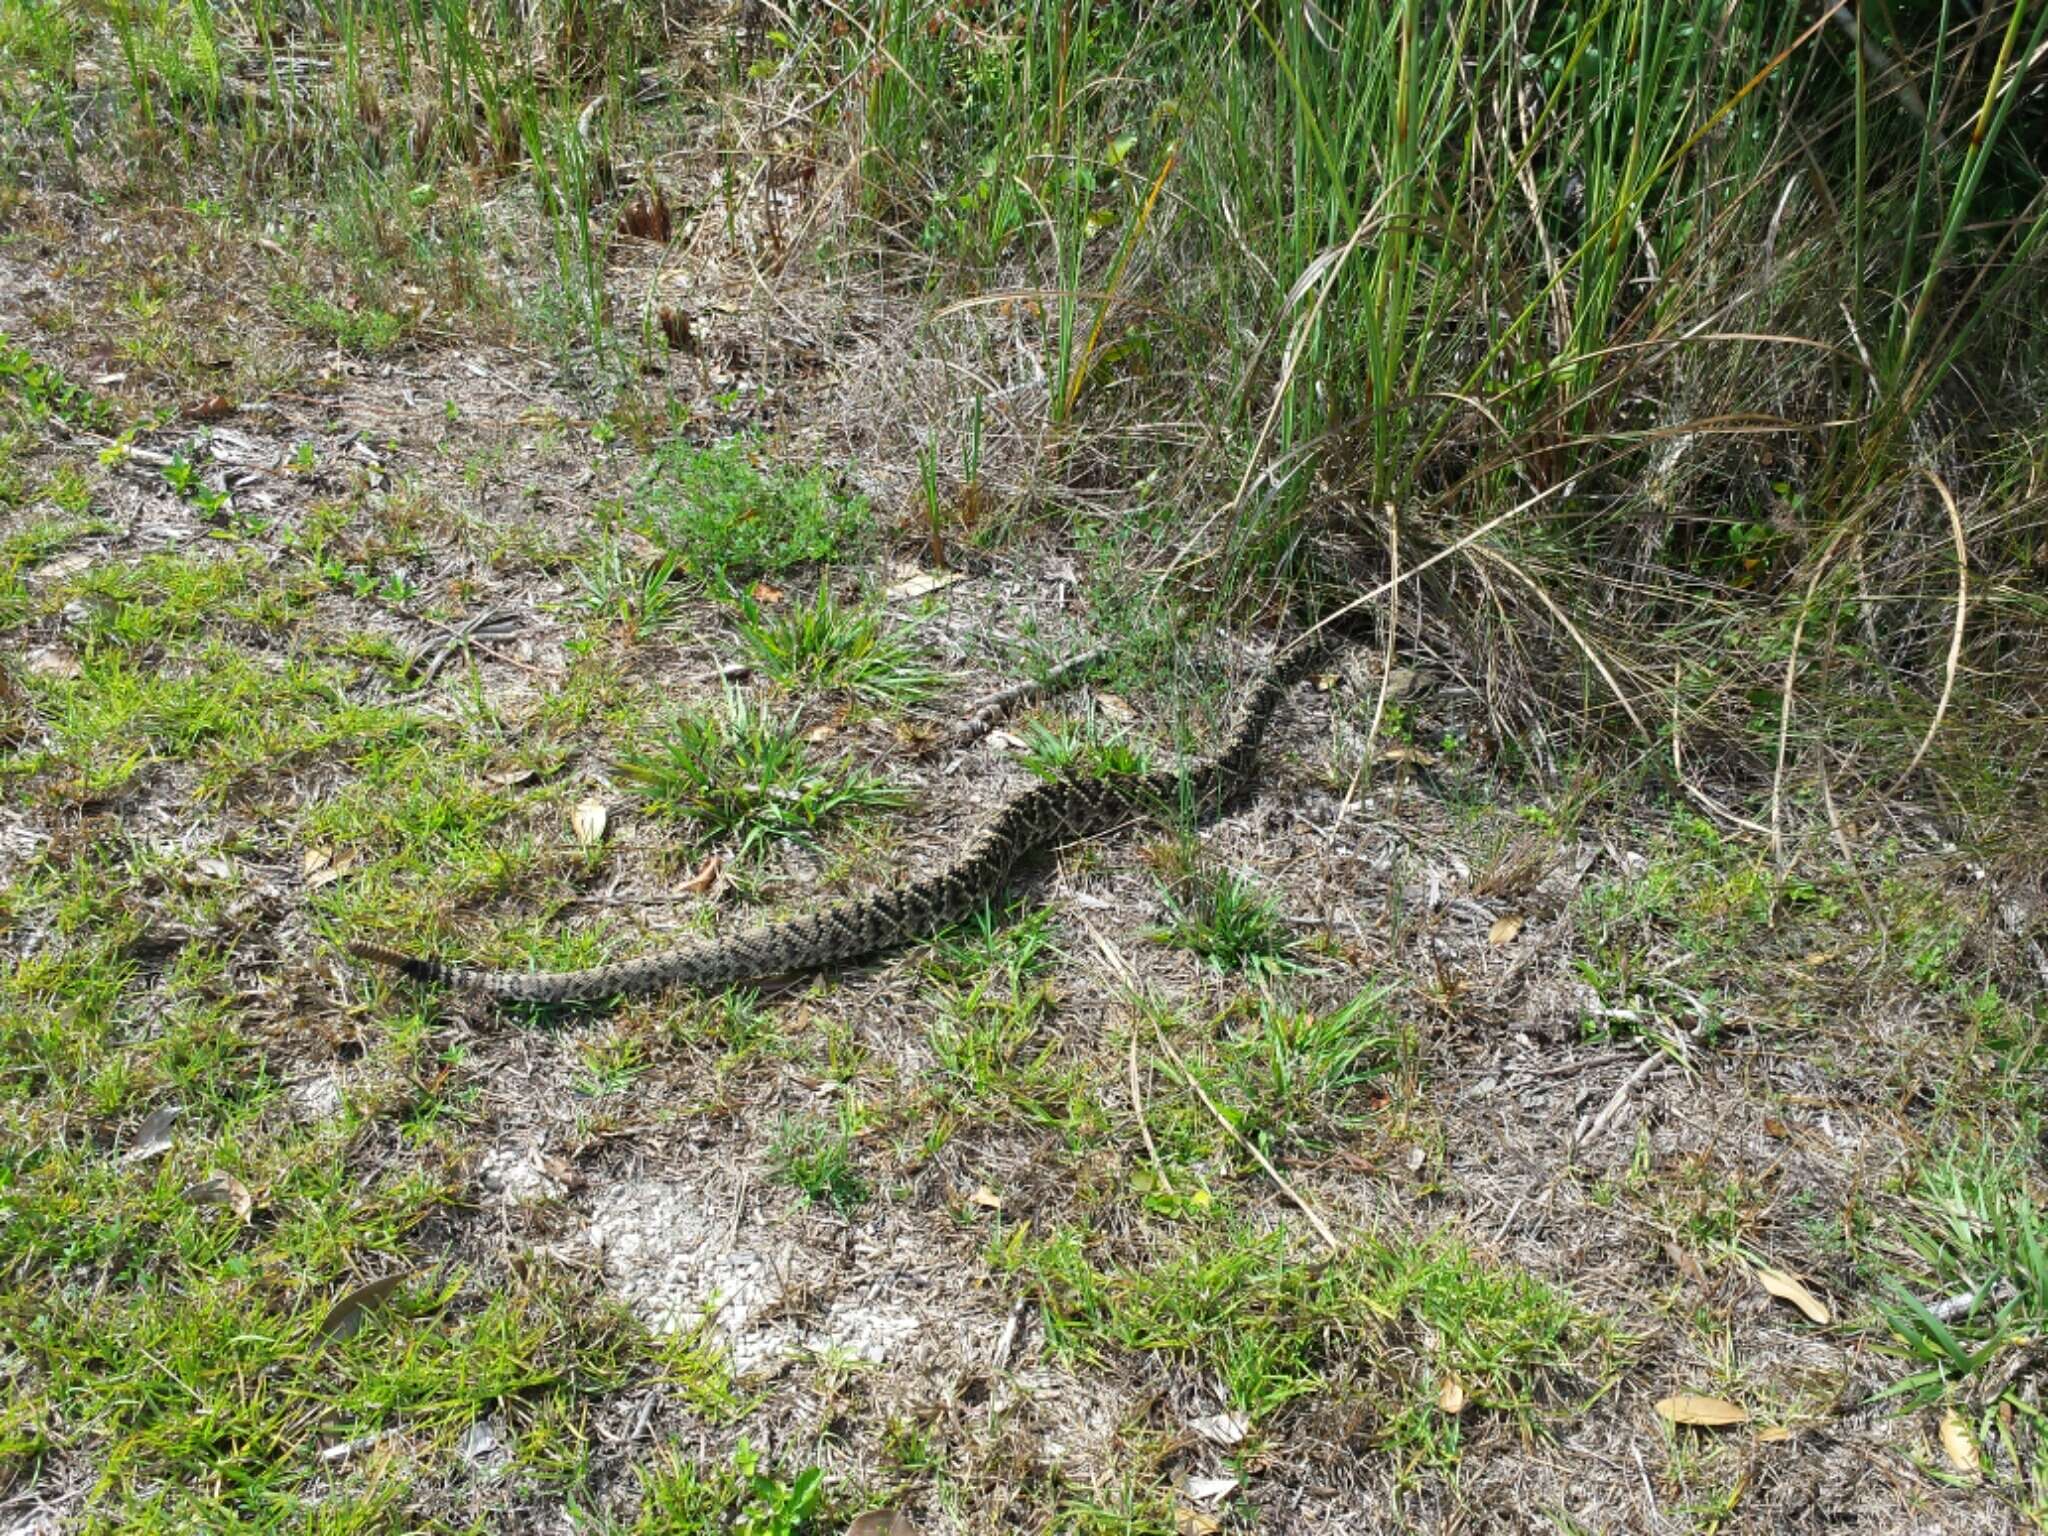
(1676, 365)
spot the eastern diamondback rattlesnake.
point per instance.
(1034, 822)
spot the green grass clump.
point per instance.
(1381, 1323)
(1301, 1078)
(845, 648)
(739, 772)
(723, 513)
(1227, 920)
(365, 329)
(816, 1159)
(33, 393)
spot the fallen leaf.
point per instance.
(913, 582)
(1788, 1288)
(1707, 1412)
(1686, 1265)
(1208, 1490)
(706, 876)
(1400, 752)
(1504, 930)
(314, 860)
(346, 1315)
(1957, 1443)
(824, 732)
(1222, 1428)
(1451, 1397)
(219, 1188)
(153, 1136)
(882, 1522)
(1190, 1521)
(1775, 1435)
(216, 868)
(587, 821)
(330, 871)
(986, 1198)
(508, 778)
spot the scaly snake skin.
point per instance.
(1039, 819)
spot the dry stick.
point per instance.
(1379, 706)
(1955, 642)
(1870, 907)
(1785, 694)
(1122, 968)
(1588, 1128)
(1144, 1130)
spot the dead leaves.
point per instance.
(1789, 1288)
(882, 1522)
(153, 1137)
(646, 217)
(706, 877)
(1224, 1429)
(588, 822)
(1705, 1412)
(347, 1315)
(1958, 1444)
(323, 866)
(223, 1189)
(911, 581)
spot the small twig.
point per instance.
(1589, 1129)
(1145, 1131)
(1007, 1339)
(1122, 968)
(1955, 643)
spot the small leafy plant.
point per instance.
(831, 645)
(742, 773)
(722, 514)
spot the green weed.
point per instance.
(1227, 920)
(741, 773)
(816, 1159)
(1274, 1330)
(722, 513)
(851, 649)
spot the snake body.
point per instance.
(1039, 819)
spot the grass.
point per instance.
(816, 1160)
(1279, 1334)
(638, 598)
(725, 512)
(741, 773)
(828, 646)
(1226, 919)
